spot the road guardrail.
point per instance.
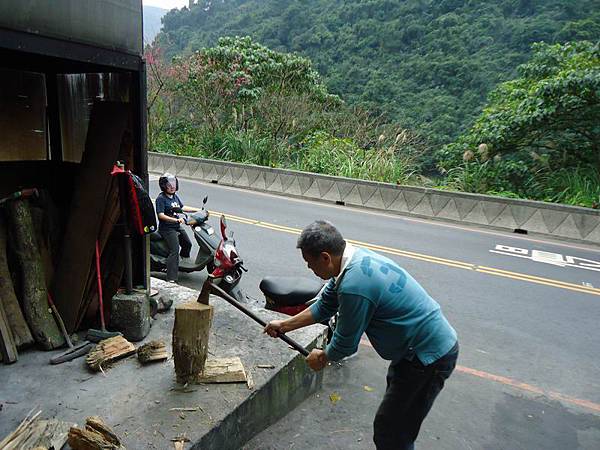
(524, 216)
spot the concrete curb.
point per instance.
(277, 391)
(547, 219)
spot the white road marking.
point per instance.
(541, 256)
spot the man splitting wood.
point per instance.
(373, 295)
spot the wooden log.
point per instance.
(107, 124)
(190, 340)
(35, 296)
(20, 331)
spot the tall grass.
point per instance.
(580, 186)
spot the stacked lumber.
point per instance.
(152, 351)
(108, 351)
(96, 435)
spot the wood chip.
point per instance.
(152, 351)
(249, 380)
(191, 409)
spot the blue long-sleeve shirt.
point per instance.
(376, 296)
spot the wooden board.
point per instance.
(106, 126)
(223, 370)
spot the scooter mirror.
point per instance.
(205, 200)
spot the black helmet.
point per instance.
(168, 179)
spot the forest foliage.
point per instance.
(428, 64)
(496, 96)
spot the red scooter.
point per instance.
(228, 266)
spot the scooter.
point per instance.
(228, 266)
(204, 235)
(219, 256)
(289, 295)
(292, 295)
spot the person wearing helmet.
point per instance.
(168, 205)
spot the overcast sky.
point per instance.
(166, 4)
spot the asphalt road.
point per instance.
(527, 312)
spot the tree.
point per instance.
(548, 120)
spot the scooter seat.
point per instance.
(289, 291)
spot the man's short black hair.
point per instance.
(321, 236)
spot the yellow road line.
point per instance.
(429, 258)
(534, 279)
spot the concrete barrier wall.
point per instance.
(569, 222)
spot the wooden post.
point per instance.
(190, 340)
(8, 299)
(35, 296)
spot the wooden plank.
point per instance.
(107, 123)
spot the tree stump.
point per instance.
(20, 331)
(190, 340)
(35, 296)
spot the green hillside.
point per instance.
(427, 64)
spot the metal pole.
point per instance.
(250, 314)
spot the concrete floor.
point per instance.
(136, 400)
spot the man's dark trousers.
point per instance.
(411, 391)
(175, 238)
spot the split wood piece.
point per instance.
(8, 348)
(95, 436)
(20, 330)
(152, 351)
(13, 440)
(107, 123)
(223, 370)
(47, 434)
(34, 293)
(190, 340)
(108, 351)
